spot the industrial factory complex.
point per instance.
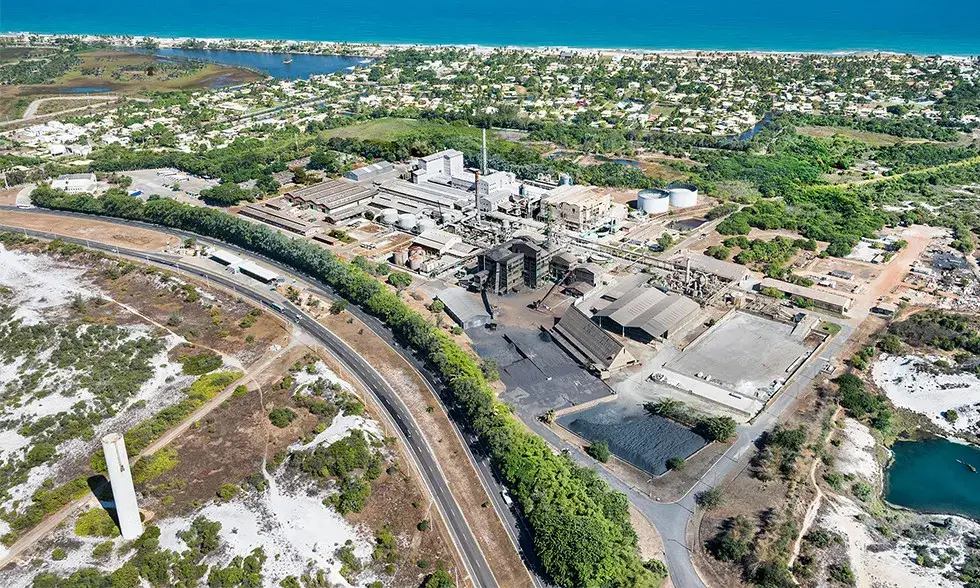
(587, 266)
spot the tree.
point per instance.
(719, 429)
(710, 498)
(437, 306)
(599, 451)
(281, 417)
(338, 306)
(228, 491)
(951, 416)
(665, 241)
(440, 579)
(226, 194)
(325, 160)
(400, 280)
(676, 463)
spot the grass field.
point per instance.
(876, 139)
(393, 128)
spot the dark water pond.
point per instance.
(301, 66)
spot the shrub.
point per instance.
(719, 429)
(423, 525)
(400, 280)
(338, 306)
(676, 463)
(102, 550)
(96, 522)
(200, 364)
(59, 554)
(281, 417)
(599, 451)
(155, 465)
(710, 498)
(842, 573)
(228, 491)
(951, 416)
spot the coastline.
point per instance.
(377, 49)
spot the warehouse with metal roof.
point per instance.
(588, 344)
(825, 300)
(467, 310)
(645, 314)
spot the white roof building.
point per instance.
(75, 183)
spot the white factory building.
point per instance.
(75, 183)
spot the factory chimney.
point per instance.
(484, 167)
(123, 493)
(476, 196)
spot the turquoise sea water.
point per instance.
(915, 26)
(925, 476)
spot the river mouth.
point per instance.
(933, 476)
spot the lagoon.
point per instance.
(302, 66)
(925, 476)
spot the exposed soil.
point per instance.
(103, 232)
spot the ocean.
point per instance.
(913, 26)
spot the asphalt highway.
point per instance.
(473, 558)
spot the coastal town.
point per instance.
(470, 316)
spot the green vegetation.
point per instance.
(228, 491)
(939, 329)
(140, 436)
(780, 451)
(201, 363)
(676, 463)
(599, 451)
(153, 466)
(96, 522)
(861, 404)
(281, 417)
(719, 429)
(710, 498)
(581, 528)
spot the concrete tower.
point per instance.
(123, 493)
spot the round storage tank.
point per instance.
(407, 221)
(426, 223)
(653, 201)
(389, 216)
(683, 195)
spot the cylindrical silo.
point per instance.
(683, 195)
(389, 216)
(407, 221)
(426, 223)
(653, 201)
(121, 480)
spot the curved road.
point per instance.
(671, 519)
(473, 558)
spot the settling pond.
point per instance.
(644, 440)
(926, 476)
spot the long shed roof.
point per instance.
(650, 309)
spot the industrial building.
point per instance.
(580, 208)
(373, 172)
(75, 183)
(464, 308)
(244, 266)
(437, 241)
(278, 219)
(723, 270)
(588, 344)
(820, 299)
(443, 167)
(333, 197)
(512, 265)
(645, 314)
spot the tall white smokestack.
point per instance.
(484, 166)
(123, 492)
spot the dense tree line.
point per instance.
(580, 527)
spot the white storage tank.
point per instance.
(683, 195)
(653, 201)
(407, 221)
(389, 216)
(426, 223)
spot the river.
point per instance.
(925, 476)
